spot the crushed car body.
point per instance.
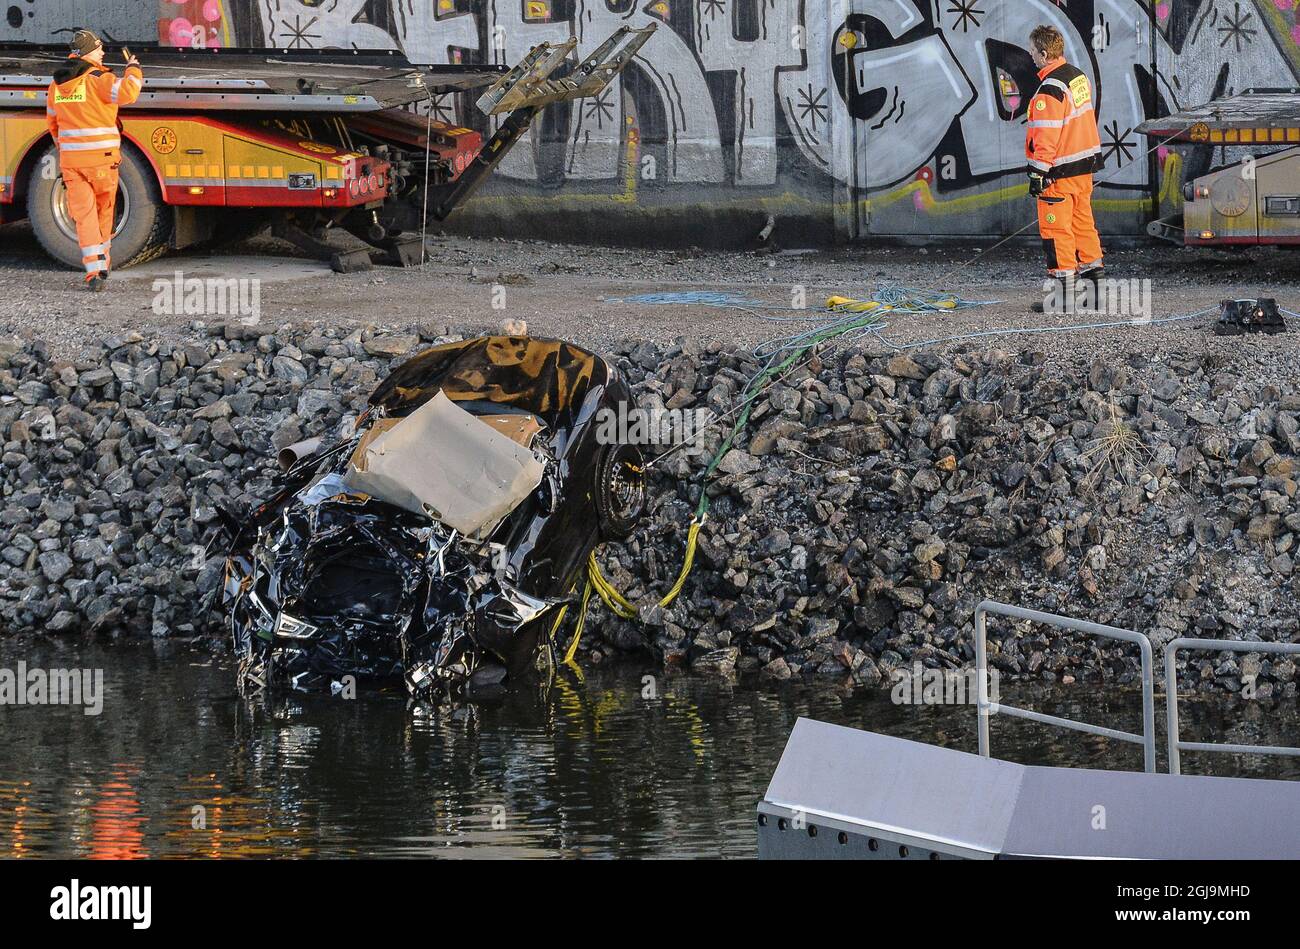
(438, 540)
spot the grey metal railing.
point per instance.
(1171, 698)
(986, 708)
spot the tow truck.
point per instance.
(1253, 201)
(223, 142)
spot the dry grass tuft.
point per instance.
(1116, 449)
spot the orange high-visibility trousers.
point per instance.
(1070, 239)
(92, 192)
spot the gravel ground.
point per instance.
(572, 291)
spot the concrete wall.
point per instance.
(54, 21)
(845, 119)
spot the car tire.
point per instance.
(144, 222)
(620, 491)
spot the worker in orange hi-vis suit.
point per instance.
(1064, 151)
(81, 110)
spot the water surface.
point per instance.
(609, 763)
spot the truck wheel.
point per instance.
(620, 491)
(142, 222)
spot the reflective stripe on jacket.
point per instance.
(81, 113)
(1062, 140)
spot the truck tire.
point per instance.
(143, 223)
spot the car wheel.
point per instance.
(620, 491)
(141, 224)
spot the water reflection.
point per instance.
(607, 764)
(117, 822)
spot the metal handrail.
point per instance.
(986, 708)
(1171, 698)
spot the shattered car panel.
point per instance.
(438, 540)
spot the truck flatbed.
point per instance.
(1255, 200)
(257, 80)
(1254, 117)
(230, 140)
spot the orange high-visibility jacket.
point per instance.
(81, 111)
(1063, 140)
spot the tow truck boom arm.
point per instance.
(527, 89)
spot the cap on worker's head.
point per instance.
(83, 42)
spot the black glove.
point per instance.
(1037, 184)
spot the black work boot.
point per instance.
(1058, 296)
(1094, 276)
(1089, 288)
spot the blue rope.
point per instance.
(853, 324)
(698, 298)
(879, 328)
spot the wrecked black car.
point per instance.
(439, 540)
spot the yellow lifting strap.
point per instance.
(559, 618)
(615, 601)
(850, 305)
(577, 630)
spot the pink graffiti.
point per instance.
(180, 32)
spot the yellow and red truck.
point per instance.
(222, 142)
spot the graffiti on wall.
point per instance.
(759, 96)
(866, 90)
(196, 23)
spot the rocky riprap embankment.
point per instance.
(873, 502)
